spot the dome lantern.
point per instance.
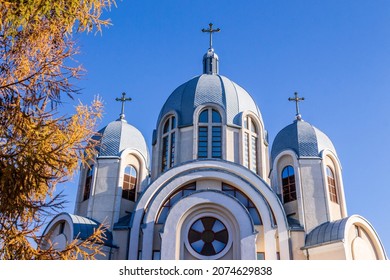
(210, 59)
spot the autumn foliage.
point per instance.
(38, 147)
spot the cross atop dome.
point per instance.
(210, 59)
(211, 31)
(123, 99)
(297, 99)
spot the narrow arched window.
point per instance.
(129, 186)
(88, 183)
(331, 185)
(288, 184)
(210, 134)
(250, 144)
(168, 143)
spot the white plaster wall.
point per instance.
(297, 241)
(120, 238)
(207, 184)
(232, 144)
(104, 194)
(313, 198)
(333, 251)
(185, 144)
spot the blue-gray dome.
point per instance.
(207, 88)
(119, 135)
(303, 138)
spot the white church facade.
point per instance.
(213, 188)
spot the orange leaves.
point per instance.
(38, 149)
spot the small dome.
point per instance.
(204, 89)
(119, 135)
(303, 138)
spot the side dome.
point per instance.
(303, 138)
(204, 89)
(119, 135)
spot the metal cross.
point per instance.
(211, 31)
(123, 99)
(297, 100)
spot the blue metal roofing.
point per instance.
(206, 88)
(303, 138)
(119, 135)
(327, 233)
(84, 227)
(124, 222)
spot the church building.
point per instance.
(213, 187)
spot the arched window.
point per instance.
(250, 144)
(129, 186)
(168, 204)
(88, 183)
(288, 184)
(331, 185)
(245, 200)
(210, 134)
(168, 143)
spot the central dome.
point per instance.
(206, 89)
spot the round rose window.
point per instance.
(208, 236)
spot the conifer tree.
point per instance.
(38, 148)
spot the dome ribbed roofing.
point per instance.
(204, 89)
(82, 227)
(327, 232)
(303, 138)
(119, 135)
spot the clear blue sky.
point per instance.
(334, 53)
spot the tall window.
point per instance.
(129, 183)
(331, 185)
(88, 183)
(210, 134)
(250, 144)
(168, 144)
(288, 183)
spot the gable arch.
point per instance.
(249, 183)
(371, 238)
(242, 235)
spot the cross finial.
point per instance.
(123, 99)
(297, 100)
(211, 31)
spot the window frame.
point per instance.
(168, 143)
(251, 144)
(129, 189)
(88, 182)
(289, 190)
(210, 134)
(332, 185)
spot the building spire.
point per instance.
(297, 99)
(123, 99)
(210, 59)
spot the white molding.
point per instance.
(239, 176)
